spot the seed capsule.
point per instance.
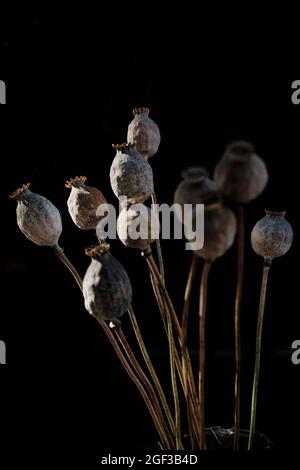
(83, 203)
(131, 175)
(37, 217)
(241, 175)
(144, 132)
(219, 231)
(272, 236)
(196, 187)
(138, 226)
(106, 287)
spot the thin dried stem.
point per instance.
(184, 326)
(136, 382)
(63, 258)
(165, 303)
(202, 318)
(237, 325)
(158, 245)
(151, 368)
(260, 320)
(119, 353)
(140, 373)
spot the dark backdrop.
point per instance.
(71, 88)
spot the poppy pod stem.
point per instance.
(168, 439)
(266, 269)
(59, 252)
(169, 325)
(158, 246)
(184, 326)
(151, 368)
(237, 323)
(202, 322)
(191, 397)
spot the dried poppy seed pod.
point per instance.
(37, 217)
(83, 203)
(131, 175)
(138, 226)
(241, 175)
(106, 287)
(272, 236)
(219, 231)
(144, 132)
(196, 187)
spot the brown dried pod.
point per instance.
(138, 226)
(131, 175)
(272, 236)
(196, 187)
(219, 231)
(144, 132)
(38, 219)
(241, 175)
(83, 203)
(106, 286)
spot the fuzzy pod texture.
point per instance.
(131, 175)
(219, 231)
(38, 219)
(106, 286)
(138, 226)
(144, 133)
(83, 203)
(241, 175)
(196, 187)
(272, 236)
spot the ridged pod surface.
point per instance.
(131, 175)
(144, 133)
(272, 236)
(83, 203)
(241, 175)
(106, 286)
(219, 231)
(139, 218)
(196, 187)
(38, 219)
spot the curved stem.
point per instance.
(135, 380)
(158, 245)
(237, 325)
(122, 358)
(185, 315)
(202, 321)
(136, 366)
(151, 368)
(260, 320)
(164, 302)
(63, 258)
(184, 326)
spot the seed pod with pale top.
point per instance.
(131, 175)
(106, 286)
(38, 219)
(83, 203)
(219, 231)
(144, 132)
(196, 187)
(272, 236)
(241, 175)
(137, 226)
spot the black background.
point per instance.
(71, 86)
